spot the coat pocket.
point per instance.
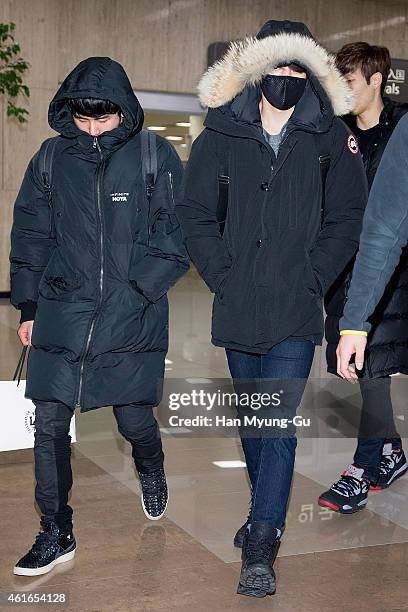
(60, 288)
(141, 300)
(312, 282)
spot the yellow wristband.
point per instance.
(345, 332)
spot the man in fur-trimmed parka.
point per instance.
(274, 195)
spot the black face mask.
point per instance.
(282, 92)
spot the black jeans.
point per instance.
(52, 453)
(376, 425)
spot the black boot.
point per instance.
(240, 535)
(261, 544)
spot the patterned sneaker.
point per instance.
(393, 466)
(155, 495)
(349, 493)
(50, 548)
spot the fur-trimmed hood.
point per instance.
(246, 62)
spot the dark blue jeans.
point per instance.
(270, 452)
(376, 425)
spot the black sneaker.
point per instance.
(50, 548)
(393, 466)
(261, 544)
(155, 495)
(349, 493)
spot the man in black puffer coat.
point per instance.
(272, 101)
(93, 256)
(379, 458)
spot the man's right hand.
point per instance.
(25, 331)
(349, 345)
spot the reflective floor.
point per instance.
(187, 561)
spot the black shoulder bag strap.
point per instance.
(223, 189)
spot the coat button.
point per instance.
(59, 214)
(258, 243)
(138, 209)
(265, 186)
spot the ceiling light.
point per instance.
(174, 137)
(183, 124)
(157, 128)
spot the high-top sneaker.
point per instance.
(50, 548)
(261, 544)
(393, 466)
(349, 493)
(155, 495)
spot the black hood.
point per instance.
(273, 28)
(102, 78)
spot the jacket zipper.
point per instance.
(96, 145)
(171, 189)
(263, 230)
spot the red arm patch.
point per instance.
(352, 144)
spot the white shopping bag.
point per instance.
(17, 416)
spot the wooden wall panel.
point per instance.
(22, 141)
(7, 200)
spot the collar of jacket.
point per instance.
(392, 111)
(109, 142)
(241, 118)
(389, 117)
(231, 88)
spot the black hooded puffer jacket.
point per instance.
(98, 265)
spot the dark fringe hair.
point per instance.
(369, 58)
(92, 107)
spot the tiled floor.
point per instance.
(187, 561)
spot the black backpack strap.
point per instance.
(223, 190)
(45, 162)
(323, 149)
(149, 161)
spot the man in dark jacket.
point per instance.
(379, 458)
(93, 256)
(272, 104)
